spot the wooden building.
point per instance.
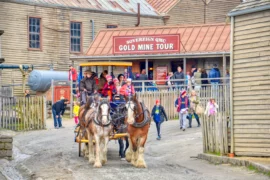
(48, 32)
(194, 11)
(250, 54)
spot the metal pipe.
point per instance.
(224, 65)
(146, 66)
(93, 29)
(248, 11)
(156, 56)
(231, 85)
(8, 66)
(138, 15)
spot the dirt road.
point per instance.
(52, 154)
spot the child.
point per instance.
(76, 112)
(158, 114)
(182, 104)
(211, 108)
(194, 101)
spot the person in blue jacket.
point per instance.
(58, 110)
(214, 73)
(158, 114)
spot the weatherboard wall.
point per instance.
(251, 84)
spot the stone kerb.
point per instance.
(6, 146)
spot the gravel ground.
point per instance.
(52, 154)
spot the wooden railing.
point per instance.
(21, 114)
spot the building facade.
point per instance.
(43, 34)
(250, 53)
(47, 33)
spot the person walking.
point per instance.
(87, 86)
(73, 77)
(76, 109)
(179, 75)
(158, 114)
(198, 81)
(182, 105)
(58, 110)
(204, 77)
(194, 101)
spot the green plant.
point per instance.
(214, 153)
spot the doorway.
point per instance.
(175, 64)
(150, 69)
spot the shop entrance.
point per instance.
(175, 64)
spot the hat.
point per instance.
(157, 101)
(115, 80)
(215, 65)
(108, 77)
(129, 79)
(183, 92)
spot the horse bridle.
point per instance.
(98, 121)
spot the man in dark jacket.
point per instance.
(179, 75)
(88, 86)
(58, 110)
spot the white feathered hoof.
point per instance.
(97, 165)
(141, 164)
(128, 156)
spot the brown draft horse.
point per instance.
(138, 120)
(97, 123)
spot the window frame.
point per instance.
(40, 34)
(81, 42)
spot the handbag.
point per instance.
(199, 109)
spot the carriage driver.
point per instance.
(87, 86)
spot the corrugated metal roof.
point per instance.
(163, 6)
(124, 6)
(194, 39)
(250, 5)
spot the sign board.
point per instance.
(161, 74)
(146, 44)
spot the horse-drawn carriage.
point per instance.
(102, 120)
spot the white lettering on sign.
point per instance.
(164, 46)
(127, 47)
(145, 47)
(161, 40)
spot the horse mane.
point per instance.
(88, 103)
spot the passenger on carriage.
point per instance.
(121, 79)
(102, 80)
(109, 88)
(128, 88)
(88, 86)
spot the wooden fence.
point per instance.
(6, 91)
(21, 114)
(214, 130)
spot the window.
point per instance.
(75, 36)
(34, 33)
(111, 26)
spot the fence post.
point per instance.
(143, 86)
(44, 113)
(71, 98)
(52, 86)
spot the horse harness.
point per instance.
(146, 119)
